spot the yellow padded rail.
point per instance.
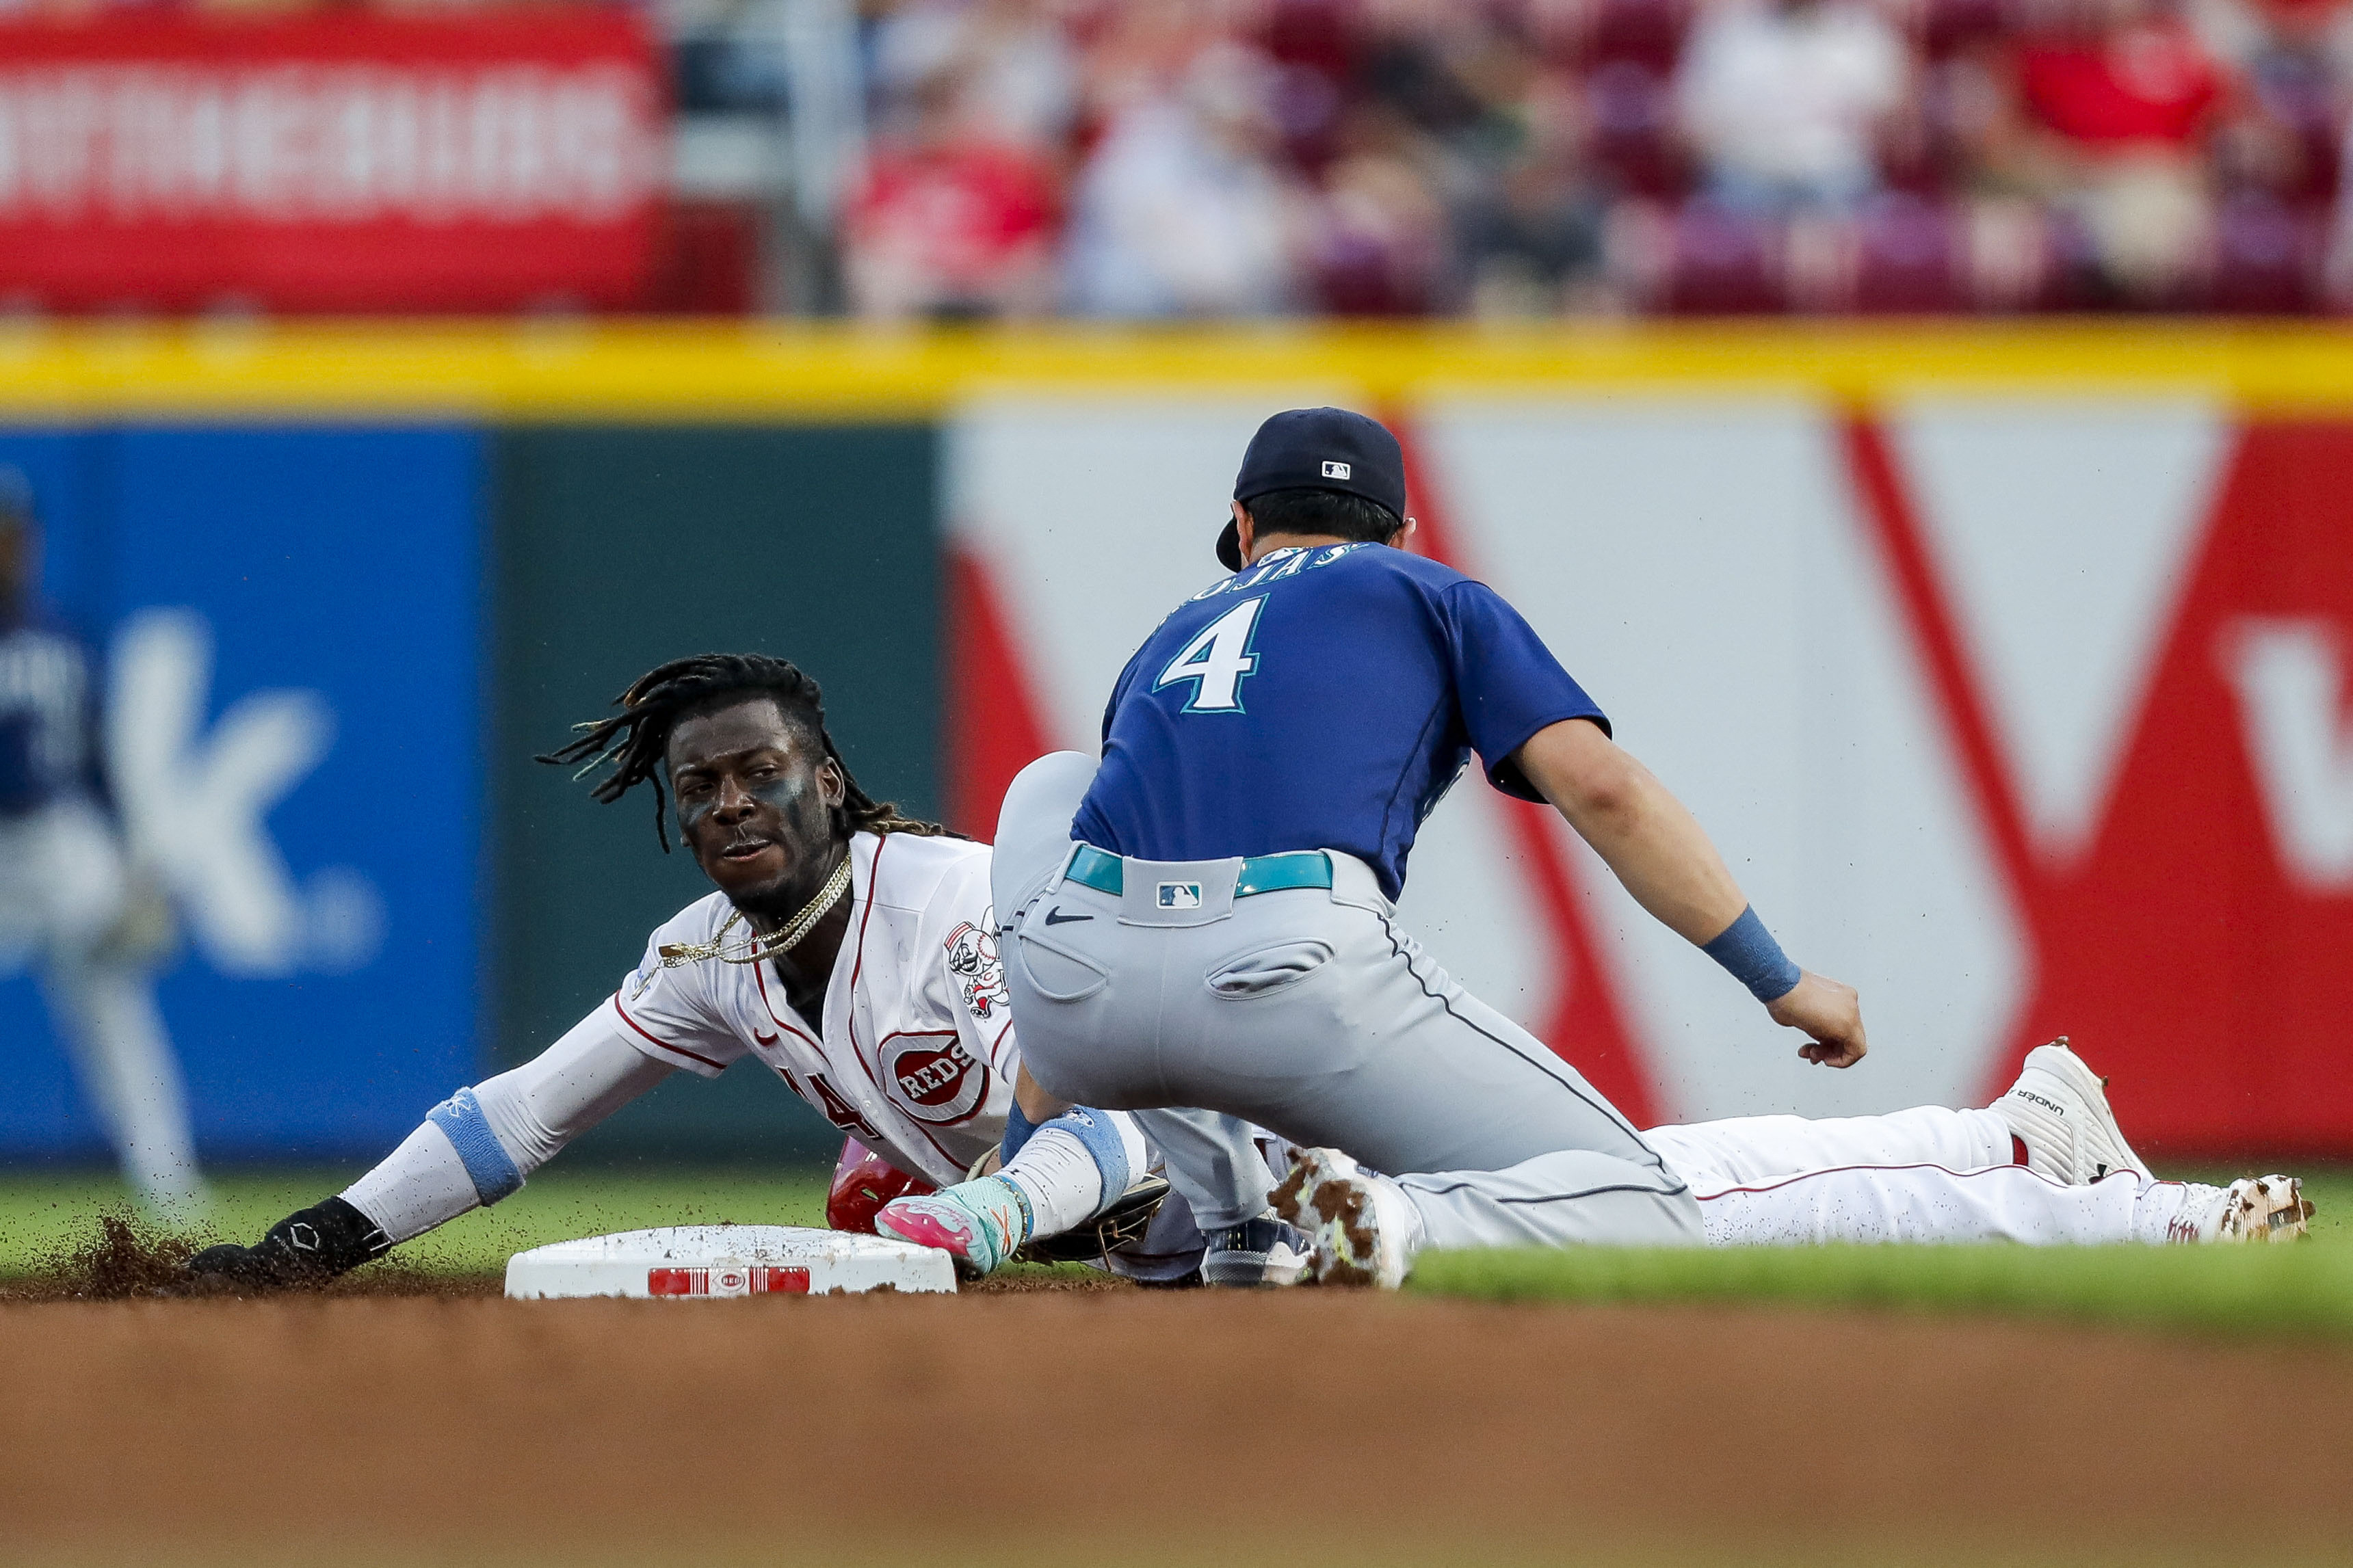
(673, 372)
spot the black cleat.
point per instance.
(1261, 1252)
(307, 1248)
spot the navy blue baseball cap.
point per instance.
(1317, 449)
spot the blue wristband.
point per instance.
(1017, 1128)
(1755, 958)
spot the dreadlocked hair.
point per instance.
(636, 739)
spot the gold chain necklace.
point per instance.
(678, 954)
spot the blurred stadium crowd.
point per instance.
(1516, 158)
(1144, 158)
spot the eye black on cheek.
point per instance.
(783, 794)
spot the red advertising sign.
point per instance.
(345, 163)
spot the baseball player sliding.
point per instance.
(847, 947)
(1206, 918)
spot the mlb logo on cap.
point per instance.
(1180, 895)
(1336, 470)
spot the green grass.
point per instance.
(2305, 1288)
(42, 1217)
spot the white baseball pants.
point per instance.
(1926, 1174)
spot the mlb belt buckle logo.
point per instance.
(1180, 895)
(1337, 471)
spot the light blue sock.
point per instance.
(1094, 1130)
(487, 1163)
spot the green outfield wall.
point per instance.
(614, 547)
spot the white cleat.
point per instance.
(2059, 1109)
(1363, 1229)
(2252, 1208)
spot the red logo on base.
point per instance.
(734, 1280)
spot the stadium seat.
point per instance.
(1644, 32)
(1948, 27)
(1631, 115)
(1357, 275)
(2307, 105)
(2265, 257)
(1314, 34)
(1723, 263)
(1909, 258)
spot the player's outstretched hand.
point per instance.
(1831, 1016)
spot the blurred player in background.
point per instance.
(71, 906)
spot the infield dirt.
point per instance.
(1122, 1426)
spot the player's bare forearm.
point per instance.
(1643, 833)
(1658, 849)
(1036, 1104)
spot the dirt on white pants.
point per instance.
(1927, 1174)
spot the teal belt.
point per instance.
(1260, 873)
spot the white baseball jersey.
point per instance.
(915, 1055)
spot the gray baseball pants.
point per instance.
(1212, 1161)
(1309, 1013)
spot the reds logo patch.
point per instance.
(979, 973)
(936, 1078)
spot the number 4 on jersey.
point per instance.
(1216, 660)
(838, 1111)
